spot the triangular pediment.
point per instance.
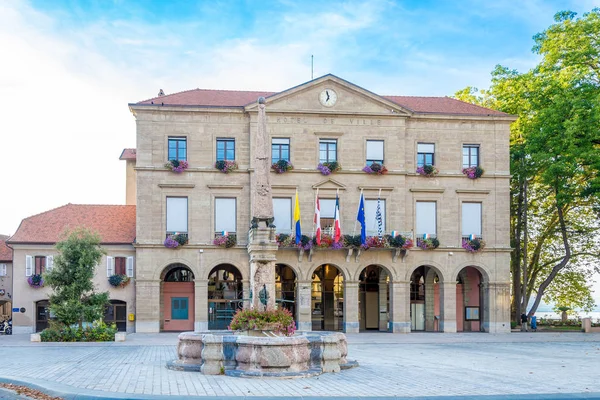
(329, 184)
(313, 97)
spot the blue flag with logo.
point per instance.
(361, 218)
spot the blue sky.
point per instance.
(69, 68)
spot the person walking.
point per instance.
(524, 323)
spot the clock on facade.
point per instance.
(328, 97)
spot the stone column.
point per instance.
(303, 305)
(400, 307)
(496, 307)
(201, 305)
(351, 324)
(430, 301)
(383, 295)
(262, 249)
(246, 292)
(147, 300)
(448, 307)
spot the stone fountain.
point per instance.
(246, 355)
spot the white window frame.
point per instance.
(173, 224)
(471, 223)
(375, 154)
(3, 270)
(423, 148)
(282, 226)
(219, 229)
(425, 225)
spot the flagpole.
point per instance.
(355, 220)
(315, 222)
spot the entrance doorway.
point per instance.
(225, 295)
(469, 307)
(178, 290)
(327, 299)
(42, 315)
(373, 298)
(285, 288)
(116, 313)
(424, 299)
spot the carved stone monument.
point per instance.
(262, 246)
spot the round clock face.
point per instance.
(328, 97)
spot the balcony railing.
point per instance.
(183, 234)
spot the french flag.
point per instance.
(337, 228)
(317, 220)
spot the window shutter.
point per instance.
(110, 266)
(49, 263)
(2, 269)
(130, 267)
(28, 265)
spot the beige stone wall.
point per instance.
(7, 285)
(130, 183)
(298, 115)
(26, 296)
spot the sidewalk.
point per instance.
(414, 365)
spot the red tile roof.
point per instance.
(236, 98)
(115, 224)
(128, 154)
(5, 251)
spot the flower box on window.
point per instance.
(36, 281)
(375, 169)
(174, 240)
(226, 166)
(282, 166)
(428, 171)
(330, 167)
(473, 172)
(118, 280)
(400, 242)
(225, 241)
(177, 165)
(428, 242)
(472, 244)
(327, 242)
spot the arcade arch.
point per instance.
(177, 298)
(327, 298)
(374, 298)
(225, 295)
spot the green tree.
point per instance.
(74, 299)
(555, 161)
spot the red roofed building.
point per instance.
(34, 252)
(434, 170)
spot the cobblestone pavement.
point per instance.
(390, 365)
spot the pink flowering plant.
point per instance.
(428, 171)
(473, 172)
(226, 241)
(473, 245)
(175, 240)
(280, 321)
(282, 166)
(36, 281)
(399, 242)
(375, 169)
(428, 244)
(329, 167)
(177, 166)
(285, 240)
(226, 166)
(327, 242)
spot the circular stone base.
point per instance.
(177, 365)
(349, 364)
(280, 375)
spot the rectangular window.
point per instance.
(40, 264)
(327, 150)
(280, 149)
(177, 215)
(225, 215)
(282, 210)
(426, 217)
(471, 219)
(225, 149)
(425, 154)
(177, 148)
(470, 155)
(327, 215)
(3, 271)
(371, 217)
(374, 151)
(120, 266)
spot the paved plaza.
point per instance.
(414, 365)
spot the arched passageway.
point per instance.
(225, 294)
(327, 299)
(177, 294)
(285, 288)
(469, 300)
(373, 298)
(425, 299)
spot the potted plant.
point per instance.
(428, 243)
(255, 322)
(400, 242)
(473, 245)
(284, 240)
(175, 240)
(428, 171)
(118, 280)
(225, 241)
(306, 243)
(177, 166)
(473, 172)
(329, 167)
(226, 166)
(375, 169)
(36, 281)
(282, 166)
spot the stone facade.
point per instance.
(357, 116)
(6, 285)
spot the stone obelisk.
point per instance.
(262, 246)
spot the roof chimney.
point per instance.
(161, 93)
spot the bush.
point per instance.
(97, 332)
(280, 321)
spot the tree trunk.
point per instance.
(516, 261)
(524, 298)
